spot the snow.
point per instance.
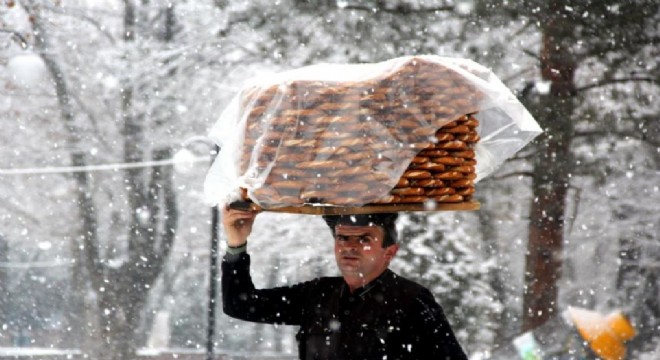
(473, 262)
(36, 351)
(27, 70)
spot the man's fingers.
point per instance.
(239, 217)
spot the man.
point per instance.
(367, 313)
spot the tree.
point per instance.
(4, 280)
(437, 251)
(121, 290)
(574, 35)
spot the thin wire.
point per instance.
(104, 167)
(35, 264)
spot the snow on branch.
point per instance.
(617, 81)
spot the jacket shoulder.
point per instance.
(405, 286)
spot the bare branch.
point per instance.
(616, 81)
(602, 133)
(22, 42)
(532, 54)
(9, 205)
(400, 9)
(521, 157)
(513, 174)
(92, 119)
(576, 203)
(78, 14)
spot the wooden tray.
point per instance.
(350, 210)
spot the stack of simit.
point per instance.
(406, 136)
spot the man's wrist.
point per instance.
(237, 249)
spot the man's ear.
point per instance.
(390, 251)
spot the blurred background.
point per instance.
(105, 237)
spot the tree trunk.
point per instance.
(552, 168)
(121, 292)
(489, 237)
(4, 286)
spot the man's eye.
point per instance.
(342, 238)
(365, 239)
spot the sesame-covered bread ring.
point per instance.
(448, 160)
(350, 142)
(286, 172)
(411, 199)
(439, 191)
(373, 177)
(349, 171)
(288, 184)
(462, 183)
(449, 175)
(433, 153)
(387, 199)
(300, 112)
(465, 191)
(459, 129)
(344, 200)
(463, 168)
(331, 150)
(293, 158)
(403, 182)
(451, 145)
(334, 120)
(407, 191)
(449, 125)
(354, 187)
(419, 160)
(417, 174)
(432, 166)
(300, 143)
(317, 195)
(467, 154)
(352, 157)
(443, 136)
(428, 183)
(469, 138)
(327, 165)
(471, 122)
(448, 198)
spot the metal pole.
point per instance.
(213, 284)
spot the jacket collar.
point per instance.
(362, 291)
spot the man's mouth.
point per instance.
(350, 257)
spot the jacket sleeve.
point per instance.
(281, 305)
(434, 337)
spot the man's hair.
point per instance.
(387, 221)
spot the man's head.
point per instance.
(364, 245)
(386, 221)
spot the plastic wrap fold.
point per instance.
(344, 134)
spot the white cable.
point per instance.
(34, 264)
(104, 167)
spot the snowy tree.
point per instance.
(587, 70)
(128, 227)
(4, 280)
(584, 48)
(437, 251)
(120, 276)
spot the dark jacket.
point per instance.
(389, 318)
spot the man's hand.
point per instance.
(237, 225)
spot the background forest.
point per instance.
(111, 259)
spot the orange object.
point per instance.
(604, 334)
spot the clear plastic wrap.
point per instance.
(345, 134)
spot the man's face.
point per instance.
(360, 254)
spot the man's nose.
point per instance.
(352, 243)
